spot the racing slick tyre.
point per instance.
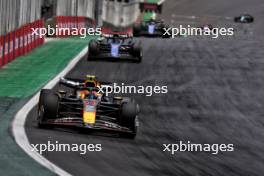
(136, 29)
(251, 20)
(137, 52)
(128, 119)
(93, 49)
(47, 108)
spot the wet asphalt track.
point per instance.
(215, 96)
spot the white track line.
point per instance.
(18, 123)
(160, 2)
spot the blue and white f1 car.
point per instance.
(115, 47)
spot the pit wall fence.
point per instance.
(20, 41)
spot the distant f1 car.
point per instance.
(152, 28)
(86, 107)
(208, 27)
(115, 47)
(244, 19)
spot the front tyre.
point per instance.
(47, 108)
(93, 49)
(129, 119)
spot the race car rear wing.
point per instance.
(147, 6)
(124, 31)
(122, 36)
(79, 83)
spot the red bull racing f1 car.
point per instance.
(86, 107)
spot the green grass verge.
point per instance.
(27, 74)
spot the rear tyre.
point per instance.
(48, 107)
(136, 29)
(93, 49)
(137, 52)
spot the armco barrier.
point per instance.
(19, 42)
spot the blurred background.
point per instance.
(16, 13)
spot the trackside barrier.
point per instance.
(40, 24)
(127, 31)
(20, 33)
(29, 36)
(6, 54)
(16, 45)
(1, 50)
(24, 40)
(20, 42)
(10, 47)
(70, 22)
